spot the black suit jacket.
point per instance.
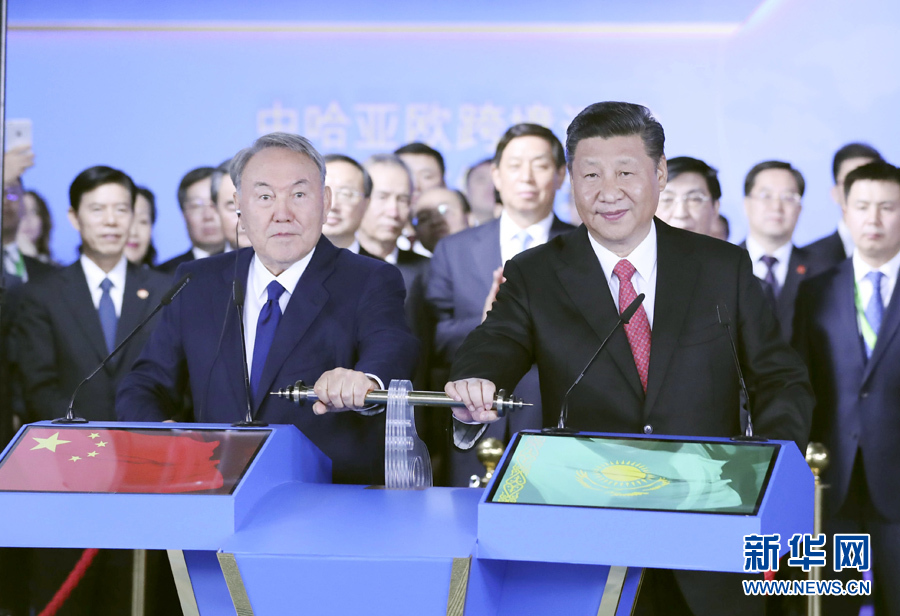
(172, 264)
(461, 276)
(803, 265)
(11, 402)
(61, 341)
(828, 251)
(857, 400)
(555, 308)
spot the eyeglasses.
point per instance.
(694, 201)
(346, 195)
(791, 198)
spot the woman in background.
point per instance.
(35, 225)
(139, 249)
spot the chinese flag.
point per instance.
(66, 459)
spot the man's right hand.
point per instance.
(478, 397)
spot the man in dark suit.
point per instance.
(66, 323)
(691, 198)
(528, 169)
(846, 329)
(201, 217)
(773, 193)
(105, 298)
(311, 312)
(670, 371)
(834, 248)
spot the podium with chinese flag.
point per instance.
(253, 525)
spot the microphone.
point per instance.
(165, 301)
(725, 320)
(624, 318)
(237, 291)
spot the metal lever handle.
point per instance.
(299, 392)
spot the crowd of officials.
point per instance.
(830, 300)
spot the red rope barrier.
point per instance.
(72, 580)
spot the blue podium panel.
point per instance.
(119, 485)
(662, 502)
(341, 549)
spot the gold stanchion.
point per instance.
(817, 458)
(489, 452)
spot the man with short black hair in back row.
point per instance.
(846, 329)
(528, 169)
(773, 194)
(201, 217)
(834, 248)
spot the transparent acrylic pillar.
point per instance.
(407, 464)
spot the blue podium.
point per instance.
(253, 525)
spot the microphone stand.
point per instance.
(624, 318)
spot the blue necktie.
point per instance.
(107, 312)
(269, 317)
(875, 309)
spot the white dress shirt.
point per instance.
(258, 279)
(643, 258)
(393, 256)
(761, 270)
(510, 242)
(888, 282)
(199, 253)
(95, 276)
(354, 247)
(846, 238)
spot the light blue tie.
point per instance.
(107, 311)
(525, 240)
(875, 309)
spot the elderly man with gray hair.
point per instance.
(311, 312)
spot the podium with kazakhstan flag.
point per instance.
(253, 525)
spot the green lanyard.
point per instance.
(870, 336)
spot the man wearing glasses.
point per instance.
(351, 188)
(773, 193)
(691, 198)
(204, 226)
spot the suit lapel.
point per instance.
(306, 303)
(230, 353)
(842, 306)
(676, 276)
(82, 309)
(586, 285)
(557, 227)
(796, 273)
(135, 307)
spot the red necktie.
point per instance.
(638, 328)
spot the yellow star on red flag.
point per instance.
(50, 443)
(74, 459)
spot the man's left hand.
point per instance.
(341, 390)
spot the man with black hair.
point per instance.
(846, 325)
(670, 370)
(834, 248)
(773, 194)
(690, 200)
(351, 189)
(426, 166)
(528, 169)
(69, 321)
(201, 217)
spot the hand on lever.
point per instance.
(478, 397)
